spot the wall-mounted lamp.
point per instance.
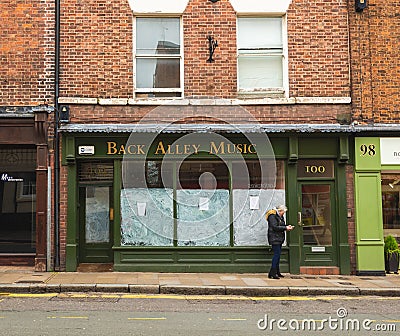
(360, 5)
(391, 185)
(214, 1)
(212, 44)
(64, 114)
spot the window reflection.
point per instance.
(153, 174)
(203, 175)
(316, 215)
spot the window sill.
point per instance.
(242, 100)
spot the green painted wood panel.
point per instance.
(367, 154)
(318, 147)
(369, 236)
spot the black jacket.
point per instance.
(276, 228)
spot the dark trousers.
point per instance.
(277, 255)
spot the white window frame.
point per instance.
(152, 56)
(275, 91)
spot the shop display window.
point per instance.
(390, 184)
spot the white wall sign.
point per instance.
(390, 151)
(86, 150)
(318, 249)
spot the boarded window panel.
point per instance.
(203, 217)
(153, 227)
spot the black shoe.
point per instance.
(272, 274)
(278, 273)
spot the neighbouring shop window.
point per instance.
(390, 184)
(257, 186)
(202, 198)
(158, 56)
(17, 201)
(260, 54)
(147, 204)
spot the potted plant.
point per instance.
(392, 254)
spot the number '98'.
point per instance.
(367, 150)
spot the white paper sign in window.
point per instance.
(141, 207)
(204, 203)
(254, 202)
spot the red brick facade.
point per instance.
(375, 62)
(26, 53)
(96, 49)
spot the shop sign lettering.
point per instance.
(315, 168)
(390, 151)
(216, 148)
(113, 148)
(7, 178)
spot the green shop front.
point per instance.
(196, 201)
(377, 190)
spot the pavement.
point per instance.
(26, 280)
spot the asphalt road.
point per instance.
(120, 314)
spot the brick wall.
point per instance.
(63, 215)
(375, 61)
(26, 52)
(290, 114)
(96, 49)
(318, 48)
(351, 221)
(218, 79)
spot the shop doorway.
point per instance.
(96, 223)
(317, 223)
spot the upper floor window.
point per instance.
(158, 57)
(260, 43)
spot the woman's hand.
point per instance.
(289, 227)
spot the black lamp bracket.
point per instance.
(212, 44)
(360, 5)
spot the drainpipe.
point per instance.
(57, 139)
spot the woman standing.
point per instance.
(276, 237)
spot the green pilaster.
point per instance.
(117, 202)
(292, 204)
(343, 243)
(368, 206)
